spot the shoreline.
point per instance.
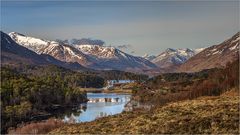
(42, 116)
(118, 91)
(101, 90)
(58, 109)
(129, 123)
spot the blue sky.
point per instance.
(146, 27)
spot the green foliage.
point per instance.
(156, 82)
(29, 90)
(38, 89)
(71, 78)
(121, 75)
(18, 110)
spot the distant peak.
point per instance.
(16, 33)
(188, 50)
(170, 50)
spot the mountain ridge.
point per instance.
(90, 56)
(11, 53)
(171, 58)
(213, 56)
(14, 54)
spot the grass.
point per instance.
(208, 115)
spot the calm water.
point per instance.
(99, 105)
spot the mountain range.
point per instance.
(19, 48)
(91, 56)
(171, 58)
(14, 54)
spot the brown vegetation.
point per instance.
(38, 128)
(205, 115)
(175, 87)
(218, 82)
(218, 114)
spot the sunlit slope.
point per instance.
(218, 114)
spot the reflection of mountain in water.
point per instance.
(99, 105)
(113, 100)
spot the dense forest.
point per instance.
(121, 75)
(105, 74)
(72, 78)
(180, 86)
(24, 96)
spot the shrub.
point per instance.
(38, 128)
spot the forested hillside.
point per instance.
(53, 70)
(24, 96)
(179, 86)
(121, 75)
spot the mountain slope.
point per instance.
(91, 56)
(12, 53)
(214, 56)
(205, 115)
(171, 58)
(59, 51)
(112, 58)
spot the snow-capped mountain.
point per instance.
(171, 58)
(214, 56)
(149, 57)
(12, 53)
(15, 54)
(91, 56)
(59, 51)
(99, 52)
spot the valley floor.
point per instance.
(217, 115)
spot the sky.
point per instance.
(144, 27)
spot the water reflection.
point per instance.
(99, 105)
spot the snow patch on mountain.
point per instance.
(214, 56)
(198, 50)
(234, 47)
(31, 43)
(177, 55)
(91, 56)
(149, 57)
(97, 51)
(171, 57)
